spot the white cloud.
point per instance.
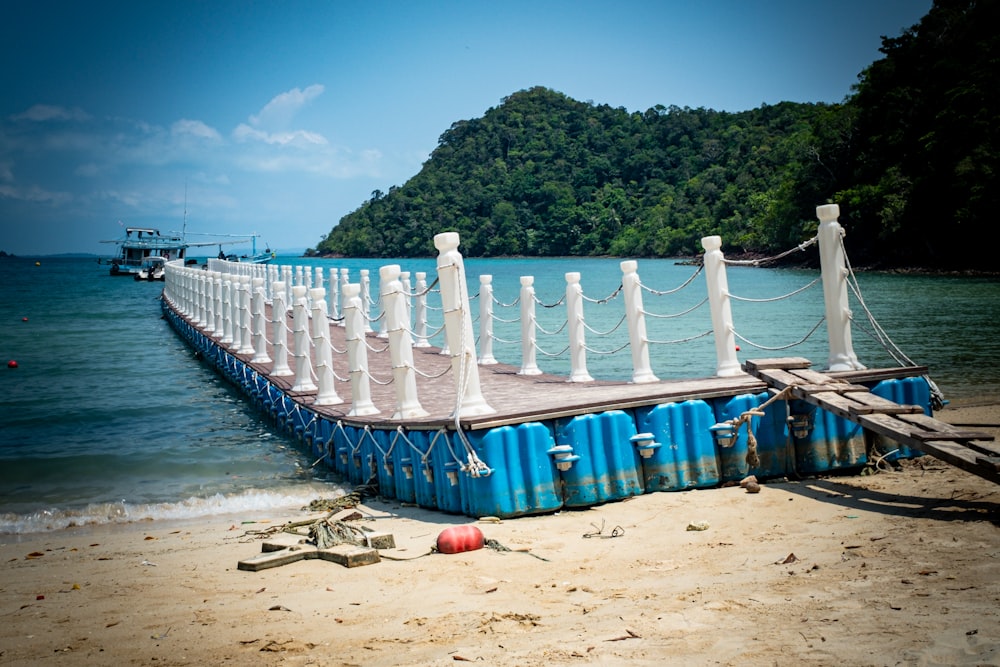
(194, 128)
(34, 194)
(40, 113)
(277, 113)
(298, 138)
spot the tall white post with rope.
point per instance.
(486, 357)
(727, 365)
(259, 324)
(400, 344)
(357, 352)
(327, 394)
(227, 311)
(833, 265)
(279, 314)
(217, 300)
(366, 298)
(335, 294)
(300, 323)
(577, 330)
(246, 321)
(420, 311)
(344, 280)
(636, 319)
(458, 328)
(529, 365)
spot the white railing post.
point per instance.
(235, 299)
(279, 322)
(357, 351)
(717, 283)
(833, 265)
(201, 288)
(366, 298)
(217, 299)
(634, 315)
(404, 278)
(458, 327)
(400, 344)
(486, 357)
(420, 311)
(344, 280)
(577, 332)
(227, 310)
(246, 337)
(259, 323)
(300, 324)
(335, 294)
(324, 350)
(528, 364)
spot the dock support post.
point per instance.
(357, 351)
(344, 280)
(366, 298)
(279, 314)
(529, 366)
(400, 344)
(727, 365)
(420, 311)
(577, 331)
(636, 318)
(324, 351)
(458, 328)
(246, 337)
(300, 324)
(201, 299)
(833, 265)
(235, 298)
(486, 357)
(335, 295)
(217, 299)
(259, 324)
(227, 311)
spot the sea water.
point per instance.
(110, 417)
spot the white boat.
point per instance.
(140, 244)
(152, 269)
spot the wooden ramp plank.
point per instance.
(946, 450)
(872, 403)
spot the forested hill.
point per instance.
(911, 157)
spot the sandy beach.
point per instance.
(896, 568)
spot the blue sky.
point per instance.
(281, 117)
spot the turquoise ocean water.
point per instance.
(110, 417)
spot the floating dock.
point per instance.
(447, 429)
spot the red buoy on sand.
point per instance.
(11, 364)
(457, 539)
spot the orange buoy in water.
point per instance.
(11, 364)
(457, 539)
(737, 348)
(24, 319)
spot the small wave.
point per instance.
(251, 500)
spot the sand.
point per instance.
(899, 567)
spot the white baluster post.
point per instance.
(486, 357)
(324, 351)
(246, 319)
(357, 351)
(458, 327)
(833, 264)
(420, 311)
(300, 332)
(279, 324)
(528, 364)
(400, 344)
(727, 365)
(577, 331)
(259, 323)
(636, 319)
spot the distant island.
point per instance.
(912, 157)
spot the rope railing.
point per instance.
(226, 302)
